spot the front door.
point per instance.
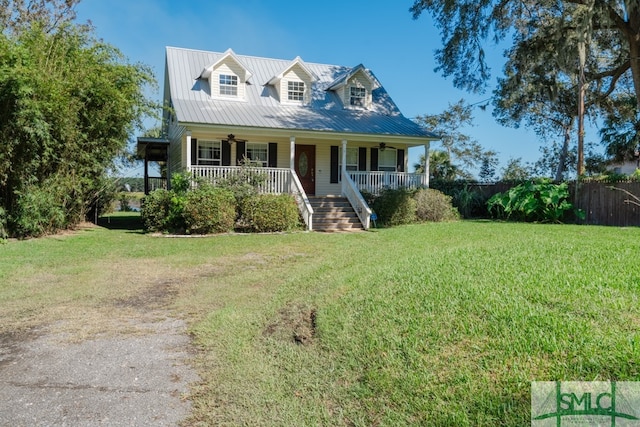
(305, 165)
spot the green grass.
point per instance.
(436, 324)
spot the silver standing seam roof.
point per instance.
(191, 98)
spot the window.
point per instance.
(387, 160)
(228, 85)
(358, 95)
(209, 153)
(352, 158)
(295, 91)
(258, 153)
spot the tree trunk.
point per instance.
(564, 152)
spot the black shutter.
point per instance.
(226, 153)
(194, 151)
(374, 159)
(241, 148)
(400, 160)
(273, 155)
(362, 159)
(334, 165)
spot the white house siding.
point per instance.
(177, 150)
(323, 168)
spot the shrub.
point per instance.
(244, 183)
(209, 209)
(37, 212)
(538, 200)
(395, 207)
(4, 233)
(270, 212)
(433, 205)
(155, 210)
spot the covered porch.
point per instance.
(154, 150)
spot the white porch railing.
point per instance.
(301, 198)
(351, 192)
(276, 181)
(375, 181)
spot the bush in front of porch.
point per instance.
(403, 206)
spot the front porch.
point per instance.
(286, 181)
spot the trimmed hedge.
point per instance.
(270, 212)
(209, 209)
(435, 206)
(155, 210)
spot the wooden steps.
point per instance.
(331, 213)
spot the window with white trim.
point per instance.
(209, 153)
(357, 96)
(295, 91)
(228, 85)
(258, 153)
(352, 158)
(387, 160)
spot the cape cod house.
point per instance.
(316, 130)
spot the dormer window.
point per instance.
(358, 96)
(295, 91)
(228, 85)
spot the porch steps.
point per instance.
(331, 213)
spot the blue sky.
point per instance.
(380, 34)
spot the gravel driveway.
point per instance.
(48, 378)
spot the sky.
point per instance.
(380, 34)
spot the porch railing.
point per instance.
(301, 199)
(375, 181)
(152, 183)
(276, 181)
(352, 193)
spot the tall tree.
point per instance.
(68, 105)
(18, 15)
(467, 25)
(463, 152)
(595, 41)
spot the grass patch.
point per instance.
(434, 324)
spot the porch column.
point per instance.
(292, 153)
(426, 165)
(146, 170)
(188, 150)
(343, 169)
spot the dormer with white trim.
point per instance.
(227, 77)
(294, 83)
(355, 88)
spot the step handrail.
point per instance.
(351, 192)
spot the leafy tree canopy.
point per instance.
(68, 104)
(463, 153)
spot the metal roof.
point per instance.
(192, 101)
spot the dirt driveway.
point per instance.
(130, 370)
(134, 375)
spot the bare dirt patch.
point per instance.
(295, 323)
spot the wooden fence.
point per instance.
(608, 203)
(603, 203)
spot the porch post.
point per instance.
(426, 165)
(343, 169)
(188, 150)
(146, 170)
(292, 153)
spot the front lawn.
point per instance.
(437, 324)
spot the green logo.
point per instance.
(596, 403)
